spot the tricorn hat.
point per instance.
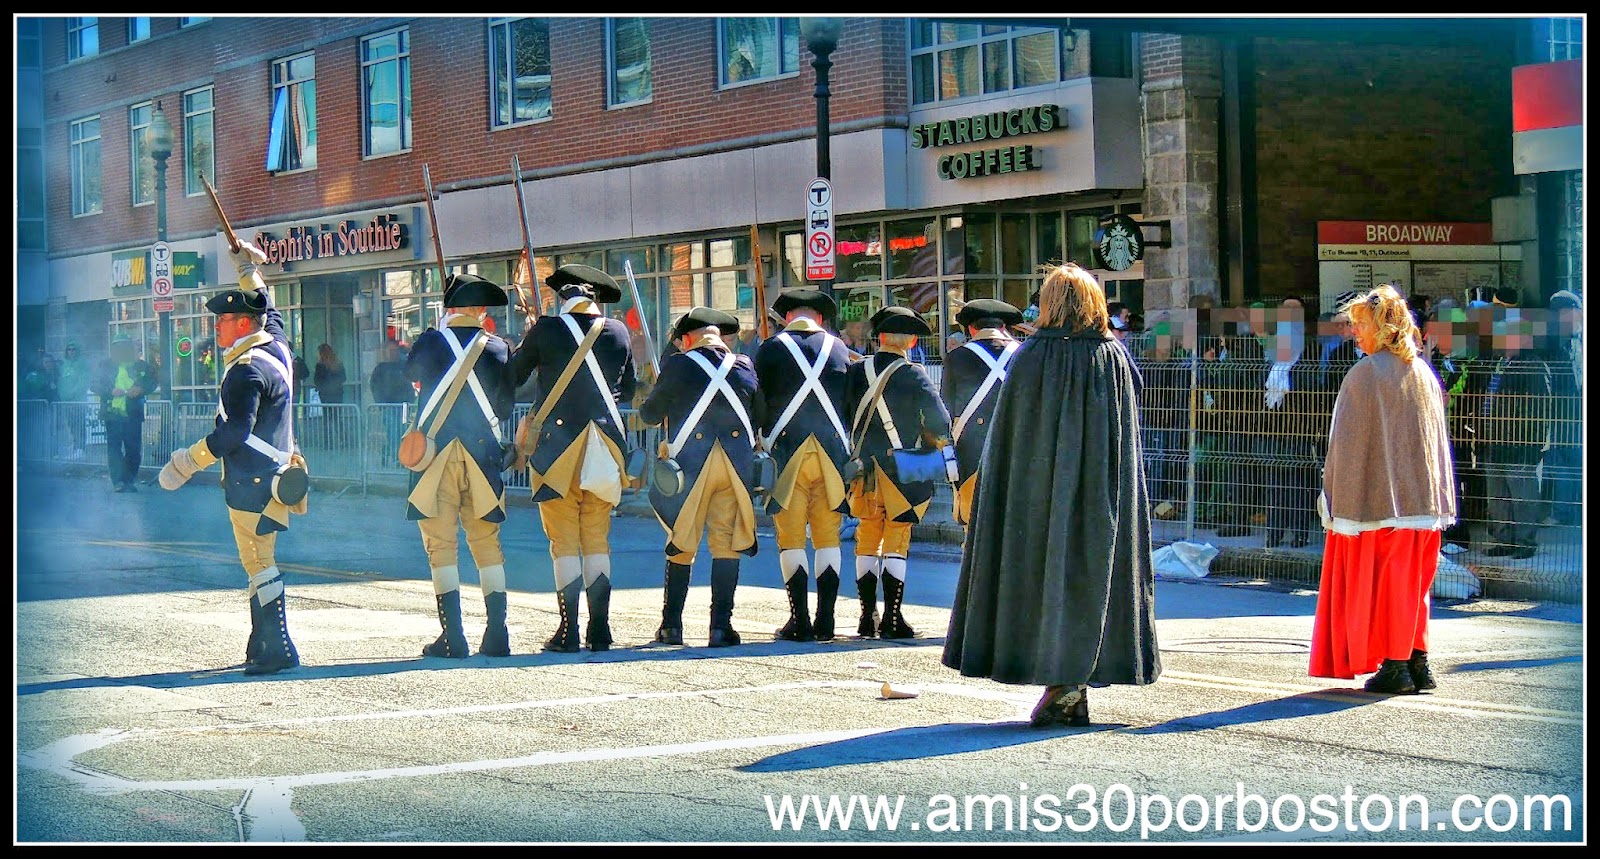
(237, 301)
(895, 319)
(703, 317)
(989, 308)
(816, 299)
(470, 290)
(591, 281)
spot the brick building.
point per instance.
(964, 154)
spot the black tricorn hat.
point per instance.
(596, 283)
(816, 299)
(989, 308)
(470, 290)
(702, 317)
(895, 319)
(237, 301)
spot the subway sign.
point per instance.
(130, 272)
(992, 126)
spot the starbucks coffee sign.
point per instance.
(983, 127)
(1119, 242)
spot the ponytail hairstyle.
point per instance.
(1386, 310)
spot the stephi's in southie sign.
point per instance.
(381, 234)
(995, 125)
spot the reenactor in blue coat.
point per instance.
(704, 399)
(461, 488)
(973, 375)
(801, 371)
(577, 465)
(894, 408)
(263, 473)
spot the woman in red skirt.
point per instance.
(1387, 495)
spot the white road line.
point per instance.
(1429, 703)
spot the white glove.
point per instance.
(247, 260)
(178, 470)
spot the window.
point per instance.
(386, 93)
(143, 169)
(292, 139)
(519, 70)
(628, 59)
(85, 158)
(199, 138)
(1566, 39)
(952, 60)
(753, 49)
(138, 29)
(30, 52)
(192, 20)
(83, 38)
(30, 189)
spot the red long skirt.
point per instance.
(1373, 601)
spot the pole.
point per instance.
(530, 309)
(763, 322)
(165, 317)
(433, 225)
(821, 63)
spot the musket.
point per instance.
(764, 326)
(233, 238)
(433, 224)
(644, 322)
(529, 309)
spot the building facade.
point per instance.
(965, 154)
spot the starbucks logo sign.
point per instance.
(1120, 243)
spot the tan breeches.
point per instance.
(808, 505)
(439, 533)
(877, 534)
(578, 524)
(255, 550)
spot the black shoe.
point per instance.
(1393, 678)
(1233, 531)
(894, 624)
(129, 487)
(724, 581)
(1421, 674)
(275, 652)
(496, 639)
(119, 487)
(675, 591)
(452, 641)
(867, 590)
(827, 593)
(1060, 705)
(599, 628)
(799, 626)
(565, 639)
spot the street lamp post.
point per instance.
(160, 151)
(822, 36)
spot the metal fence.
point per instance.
(1226, 468)
(1223, 467)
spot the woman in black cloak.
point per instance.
(1071, 604)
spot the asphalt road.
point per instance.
(134, 724)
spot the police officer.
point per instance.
(254, 439)
(704, 399)
(577, 467)
(461, 488)
(973, 374)
(801, 371)
(894, 406)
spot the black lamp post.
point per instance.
(161, 150)
(822, 36)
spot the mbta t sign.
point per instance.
(819, 230)
(161, 276)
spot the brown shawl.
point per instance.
(1388, 462)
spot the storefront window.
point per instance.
(1047, 229)
(858, 253)
(1015, 251)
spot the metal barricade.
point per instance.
(332, 438)
(80, 434)
(36, 436)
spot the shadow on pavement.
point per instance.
(916, 743)
(642, 653)
(1323, 703)
(1510, 663)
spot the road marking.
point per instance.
(267, 804)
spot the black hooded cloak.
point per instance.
(1057, 585)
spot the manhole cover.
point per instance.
(1237, 645)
